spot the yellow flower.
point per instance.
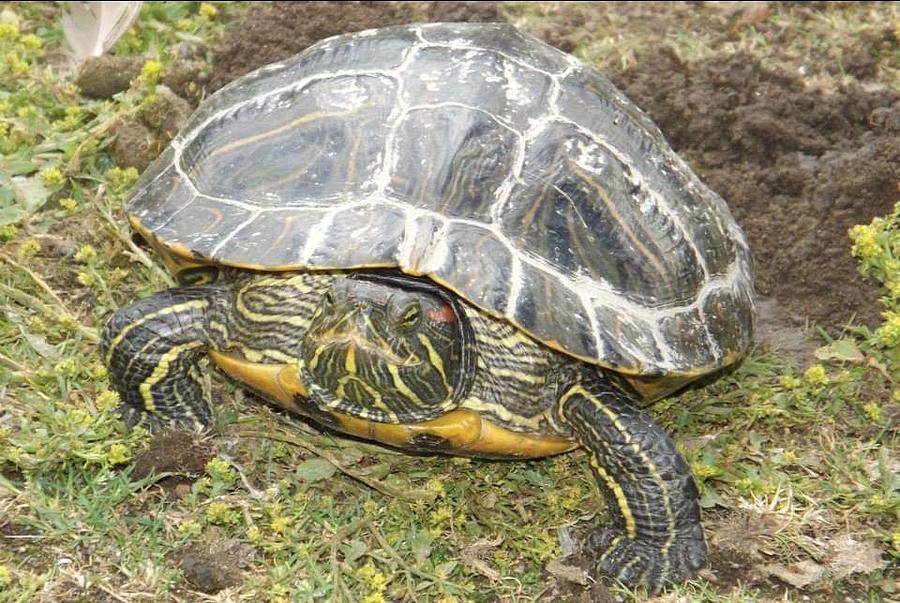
(31, 42)
(86, 254)
(437, 486)
(66, 367)
(220, 513)
(29, 248)
(816, 375)
(121, 179)
(281, 525)
(888, 334)
(190, 527)
(208, 10)
(8, 231)
(118, 454)
(107, 401)
(16, 64)
(790, 382)
(254, 535)
(52, 176)
(873, 412)
(151, 72)
(69, 204)
(5, 577)
(8, 31)
(87, 279)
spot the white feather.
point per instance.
(91, 28)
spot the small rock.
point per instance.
(569, 573)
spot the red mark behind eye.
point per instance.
(442, 314)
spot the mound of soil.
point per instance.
(798, 167)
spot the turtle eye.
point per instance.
(409, 315)
(328, 299)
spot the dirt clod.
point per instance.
(213, 566)
(104, 76)
(179, 452)
(139, 141)
(135, 146)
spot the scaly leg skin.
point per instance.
(152, 349)
(655, 536)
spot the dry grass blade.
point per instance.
(359, 476)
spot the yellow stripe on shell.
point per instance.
(309, 117)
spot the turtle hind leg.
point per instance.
(655, 536)
(152, 350)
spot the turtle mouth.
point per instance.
(344, 342)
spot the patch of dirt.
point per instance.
(271, 32)
(180, 452)
(798, 168)
(215, 565)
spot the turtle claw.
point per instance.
(133, 418)
(642, 561)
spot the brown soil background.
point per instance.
(798, 165)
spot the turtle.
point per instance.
(447, 238)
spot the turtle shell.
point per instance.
(498, 166)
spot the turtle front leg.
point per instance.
(655, 536)
(152, 349)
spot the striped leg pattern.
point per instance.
(152, 349)
(655, 536)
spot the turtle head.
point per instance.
(385, 347)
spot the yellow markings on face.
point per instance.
(433, 357)
(350, 360)
(377, 400)
(198, 304)
(161, 370)
(317, 355)
(401, 386)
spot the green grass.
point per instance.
(789, 459)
